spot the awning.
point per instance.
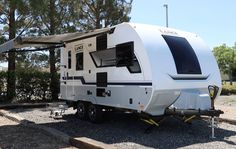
(48, 41)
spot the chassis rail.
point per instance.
(199, 112)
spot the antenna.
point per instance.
(166, 6)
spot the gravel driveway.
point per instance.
(128, 131)
(15, 136)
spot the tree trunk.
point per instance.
(11, 78)
(98, 26)
(230, 77)
(97, 15)
(54, 84)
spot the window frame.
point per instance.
(134, 59)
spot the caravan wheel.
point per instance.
(82, 110)
(95, 113)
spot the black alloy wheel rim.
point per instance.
(81, 110)
(92, 112)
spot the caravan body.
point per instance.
(139, 67)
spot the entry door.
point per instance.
(64, 71)
(69, 72)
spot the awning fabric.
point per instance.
(48, 41)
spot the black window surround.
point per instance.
(135, 68)
(79, 61)
(101, 42)
(184, 56)
(69, 59)
(124, 54)
(104, 58)
(113, 58)
(101, 79)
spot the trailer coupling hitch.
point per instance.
(57, 112)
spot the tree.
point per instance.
(226, 58)
(53, 17)
(60, 16)
(32, 60)
(234, 61)
(13, 14)
(94, 13)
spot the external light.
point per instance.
(213, 90)
(59, 96)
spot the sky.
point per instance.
(213, 20)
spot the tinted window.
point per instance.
(69, 59)
(135, 68)
(102, 79)
(104, 58)
(184, 56)
(102, 42)
(124, 54)
(79, 61)
(121, 56)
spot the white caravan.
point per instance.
(142, 68)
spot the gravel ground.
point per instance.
(15, 136)
(127, 131)
(226, 101)
(228, 105)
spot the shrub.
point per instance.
(3, 85)
(228, 89)
(31, 86)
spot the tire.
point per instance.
(82, 110)
(95, 113)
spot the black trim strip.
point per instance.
(88, 36)
(81, 78)
(189, 78)
(131, 83)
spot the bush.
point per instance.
(31, 86)
(3, 85)
(228, 89)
